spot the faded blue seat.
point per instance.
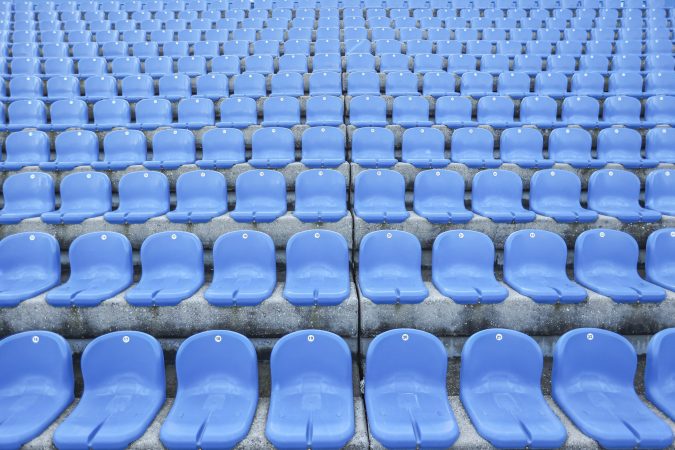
(138, 86)
(659, 192)
(244, 269)
(622, 146)
(424, 148)
(499, 364)
(100, 268)
(538, 110)
(497, 194)
(28, 407)
(74, 148)
(325, 83)
(597, 367)
(496, 111)
(124, 389)
(439, 197)
(556, 194)
(572, 146)
(411, 111)
(111, 113)
(659, 258)
(175, 86)
(29, 86)
(625, 83)
(213, 86)
(323, 147)
(373, 147)
(605, 261)
(238, 112)
(368, 111)
(399, 83)
(201, 195)
(657, 145)
(222, 148)
(405, 363)
(379, 196)
(121, 149)
(552, 84)
(454, 111)
(473, 147)
(261, 196)
(317, 268)
(272, 147)
(622, 110)
(288, 83)
(281, 111)
(659, 366)
(83, 195)
(172, 269)
(476, 84)
(26, 114)
(100, 87)
(30, 264)
(513, 84)
(523, 146)
(159, 66)
(142, 196)
(390, 269)
(152, 113)
(68, 113)
(580, 110)
(659, 110)
(616, 193)
(196, 113)
(250, 84)
(312, 364)
(438, 84)
(26, 195)
(324, 110)
(320, 196)
(171, 149)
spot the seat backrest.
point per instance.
(660, 190)
(91, 190)
(241, 252)
(605, 251)
(223, 143)
(496, 187)
(28, 86)
(281, 109)
(63, 87)
(250, 84)
(613, 187)
(379, 188)
(572, 143)
(30, 252)
(323, 143)
(153, 112)
(179, 252)
(559, 189)
(495, 108)
(621, 109)
(201, 190)
(101, 252)
(453, 109)
(367, 109)
(256, 188)
(439, 187)
(397, 251)
(173, 145)
(521, 143)
(76, 145)
(144, 189)
(459, 252)
(658, 144)
(659, 256)
(112, 112)
(472, 143)
(372, 143)
(423, 143)
(125, 145)
(273, 143)
(580, 108)
(659, 109)
(410, 110)
(317, 251)
(240, 111)
(27, 146)
(320, 188)
(534, 253)
(536, 108)
(196, 111)
(619, 142)
(100, 86)
(30, 190)
(27, 112)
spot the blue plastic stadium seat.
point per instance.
(622, 146)
(153, 113)
(659, 258)
(373, 147)
(476, 84)
(657, 145)
(222, 148)
(659, 192)
(281, 112)
(368, 111)
(625, 83)
(272, 147)
(659, 366)
(311, 402)
(25, 148)
(124, 388)
(142, 196)
(172, 269)
(438, 84)
(497, 194)
(659, 110)
(496, 111)
(175, 87)
(616, 193)
(29, 87)
(556, 193)
(200, 196)
(26, 195)
(411, 111)
(171, 149)
(228, 363)
(159, 66)
(195, 113)
(605, 261)
(327, 61)
(379, 196)
(100, 87)
(597, 367)
(26, 114)
(29, 408)
(263, 64)
(580, 110)
(288, 84)
(524, 147)
(323, 147)
(453, 111)
(213, 86)
(91, 66)
(363, 83)
(552, 84)
(320, 196)
(244, 269)
(238, 112)
(424, 148)
(658, 83)
(407, 363)
(325, 83)
(137, 87)
(399, 83)
(110, 113)
(573, 146)
(324, 110)
(73, 149)
(261, 196)
(513, 84)
(473, 147)
(622, 110)
(68, 113)
(439, 197)
(121, 149)
(541, 111)
(83, 195)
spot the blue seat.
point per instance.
(424, 148)
(659, 261)
(476, 84)
(175, 87)
(28, 86)
(26, 114)
(250, 84)
(159, 66)
(580, 110)
(152, 113)
(496, 111)
(594, 366)
(68, 114)
(541, 111)
(100, 268)
(121, 149)
(513, 84)
(323, 147)
(263, 64)
(373, 147)
(325, 83)
(573, 146)
(497, 194)
(25, 148)
(497, 364)
(556, 193)
(138, 86)
(439, 197)
(191, 66)
(228, 363)
(124, 389)
(398, 84)
(659, 366)
(111, 113)
(390, 268)
(438, 84)
(288, 83)
(310, 363)
(605, 261)
(552, 84)
(83, 195)
(659, 110)
(213, 86)
(622, 110)
(142, 196)
(200, 196)
(327, 62)
(360, 62)
(238, 112)
(171, 149)
(73, 149)
(659, 192)
(126, 66)
(406, 363)
(453, 111)
(625, 83)
(324, 110)
(222, 148)
(172, 269)
(495, 64)
(473, 147)
(100, 87)
(272, 147)
(411, 111)
(320, 196)
(616, 193)
(281, 111)
(368, 111)
(524, 147)
(425, 61)
(63, 87)
(244, 269)
(30, 264)
(26, 195)
(622, 146)
(379, 196)
(658, 83)
(535, 265)
(196, 113)
(91, 66)
(261, 196)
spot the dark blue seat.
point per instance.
(439, 197)
(407, 363)
(122, 149)
(83, 195)
(424, 147)
(473, 147)
(572, 145)
(320, 196)
(373, 147)
(201, 195)
(272, 147)
(74, 148)
(323, 147)
(597, 367)
(222, 149)
(26, 195)
(659, 258)
(616, 193)
(497, 194)
(659, 367)
(142, 196)
(124, 388)
(523, 146)
(25, 148)
(622, 146)
(261, 196)
(171, 149)
(379, 196)
(557, 194)
(660, 192)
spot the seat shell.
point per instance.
(659, 370)
(201, 195)
(473, 147)
(497, 194)
(439, 197)
(26, 195)
(142, 196)
(222, 148)
(261, 196)
(556, 194)
(83, 195)
(424, 148)
(272, 147)
(320, 196)
(616, 193)
(659, 258)
(379, 196)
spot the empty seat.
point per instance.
(261, 196)
(325, 83)
(588, 364)
(379, 196)
(323, 147)
(26, 114)
(171, 149)
(288, 83)
(26, 87)
(138, 86)
(281, 112)
(200, 196)
(311, 363)
(515, 359)
(552, 84)
(26, 195)
(100, 268)
(30, 263)
(363, 83)
(572, 146)
(580, 110)
(524, 147)
(222, 148)
(320, 196)
(496, 111)
(142, 196)
(153, 113)
(111, 113)
(402, 363)
(238, 112)
(659, 265)
(657, 145)
(439, 197)
(25, 148)
(373, 147)
(272, 147)
(124, 388)
(658, 110)
(175, 87)
(228, 363)
(121, 149)
(196, 113)
(411, 111)
(213, 86)
(659, 192)
(390, 268)
(473, 147)
(541, 111)
(557, 193)
(324, 110)
(83, 195)
(622, 110)
(605, 261)
(100, 87)
(368, 111)
(438, 84)
(497, 194)
(476, 84)
(453, 111)
(622, 146)
(616, 193)
(172, 265)
(68, 114)
(424, 148)
(73, 148)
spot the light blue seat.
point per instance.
(476, 84)
(250, 84)
(28, 407)
(324, 110)
(124, 389)
(368, 111)
(597, 367)
(172, 269)
(288, 84)
(605, 261)
(142, 196)
(496, 111)
(373, 147)
(411, 111)
(261, 196)
(622, 146)
(238, 112)
(659, 258)
(463, 268)
(316, 365)
(622, 110)
(557, 194)
(222, 149)
(406, 363)
(26, 114)
(659, 110)
(454, 111)
(320, 196)
(390, 268)
(111, 113)
(379, 196)
(83, 195)
(473, 147)
(325, 83)
(100, 87)
(439, 197)
(30, 264)
(175, 87)
(244, 269)
(138, 86)
(497, 194)
(616, 193)
(552, 84)
(29, 87)
(572, 145)
(153, 113)
(438, 84)
(317, 268)
(659, 192)
(580, 110)
(171, 149)
(25, 148)
(74, 148)
(159, 66)
(228, 363)
(281, 111)
(100, 268)
(541, 111)
(26, 195)
(424, 147)
(272, 147)
(213, 86)
(196, 113)
(122, 149)
(201, 195)
(657, 145)
(399, 83)
(659, 366)
(523, 146)
(499, 364)
(323, 147)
